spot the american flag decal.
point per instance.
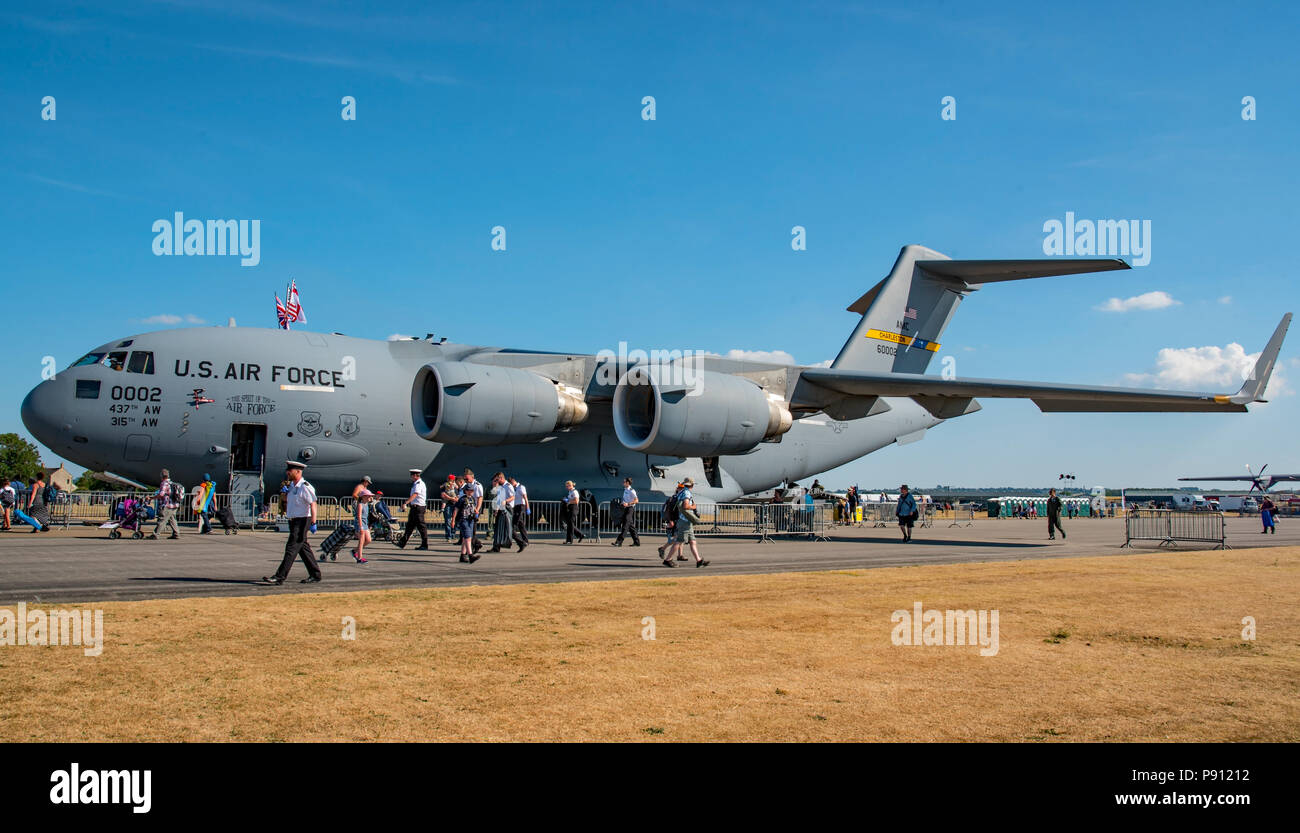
(910, 313)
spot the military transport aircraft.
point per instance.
(235, 403)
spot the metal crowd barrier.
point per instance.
(878, 514)
(1169, 526)
(963, 517)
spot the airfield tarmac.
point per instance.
(82, 565)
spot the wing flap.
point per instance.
(1048, 396)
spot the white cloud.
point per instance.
(1226, 299)
(1147, 300)
(761, 356)
(764, 356)
(1217, 369)
(171, 320)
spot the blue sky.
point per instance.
(675, 233)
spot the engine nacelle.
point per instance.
(681, 412)
(482, 405)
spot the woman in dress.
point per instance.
(36, 507)
(362, 517)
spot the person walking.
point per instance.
(203, 497)
(571, 501)
(448, 497)
(685, 526)
(1268, 516)
(168, 501)
(503, 499)
(466, 518)
(520, 513)
(361, 515)
(300, 506)
(1054, 516)
(415, 505)
(628, 525)
(906, 512)
(8, 502)
(36, 508)
(852, 500)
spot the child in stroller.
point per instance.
(131, 514)
(381, 519)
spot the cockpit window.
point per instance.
(116, 359)
(89, 359)
(141, 362)
(87, 388)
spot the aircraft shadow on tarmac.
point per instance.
(198, 579)
(944, 542)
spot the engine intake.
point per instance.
(483, 405)
(677, 411)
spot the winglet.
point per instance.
(1255, 384)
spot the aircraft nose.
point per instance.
(40, 414)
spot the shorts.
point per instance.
(685, 536)
(906, 521)
(466, 529)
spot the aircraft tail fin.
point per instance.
(1255, 384)
(904, 316)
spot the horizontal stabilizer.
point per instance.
(990, 271)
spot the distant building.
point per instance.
(61, 479)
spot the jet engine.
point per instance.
(677, 411)
(483, 405)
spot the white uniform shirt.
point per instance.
(501, 494)
(300, 498)
(521, 495)
(419, 493)
(629, 496)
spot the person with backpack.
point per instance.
(685, 527)
(8, 502)
(36, 507)
(466, 518)
(668, 517)
(169, 496)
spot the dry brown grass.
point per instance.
(1153, 652)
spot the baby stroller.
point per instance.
(381, 520)
(131, 514)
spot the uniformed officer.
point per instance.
(415, 511)
(628, 526)
(300, 506)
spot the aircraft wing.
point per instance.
(1276, 478)
(947, 398)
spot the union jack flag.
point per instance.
(287, 312)
(910, 313)
(281, 314)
